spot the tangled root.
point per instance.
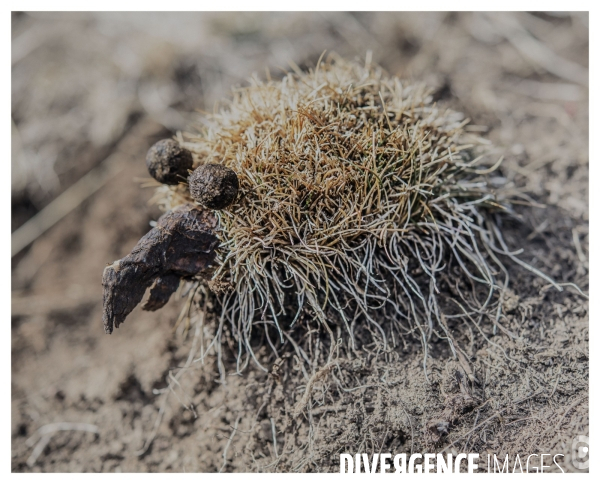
(361, 204)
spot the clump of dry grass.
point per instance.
(358, 193)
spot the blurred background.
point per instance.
(92, 91)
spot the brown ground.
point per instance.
(86, 86)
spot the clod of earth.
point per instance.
(180, 246)
(168, 162)
(214, 186)
(362, 200)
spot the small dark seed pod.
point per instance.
(214, 186)
(168, 162)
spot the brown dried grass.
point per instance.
(357, 194)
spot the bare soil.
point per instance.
(86, 86)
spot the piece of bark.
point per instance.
(161, 291)
(182, 245)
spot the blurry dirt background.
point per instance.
(91, 92)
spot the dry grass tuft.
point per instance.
(358, 195)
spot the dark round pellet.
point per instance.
(214, 186)
(168, 162)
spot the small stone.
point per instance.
(214, 186)
(168, 162)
